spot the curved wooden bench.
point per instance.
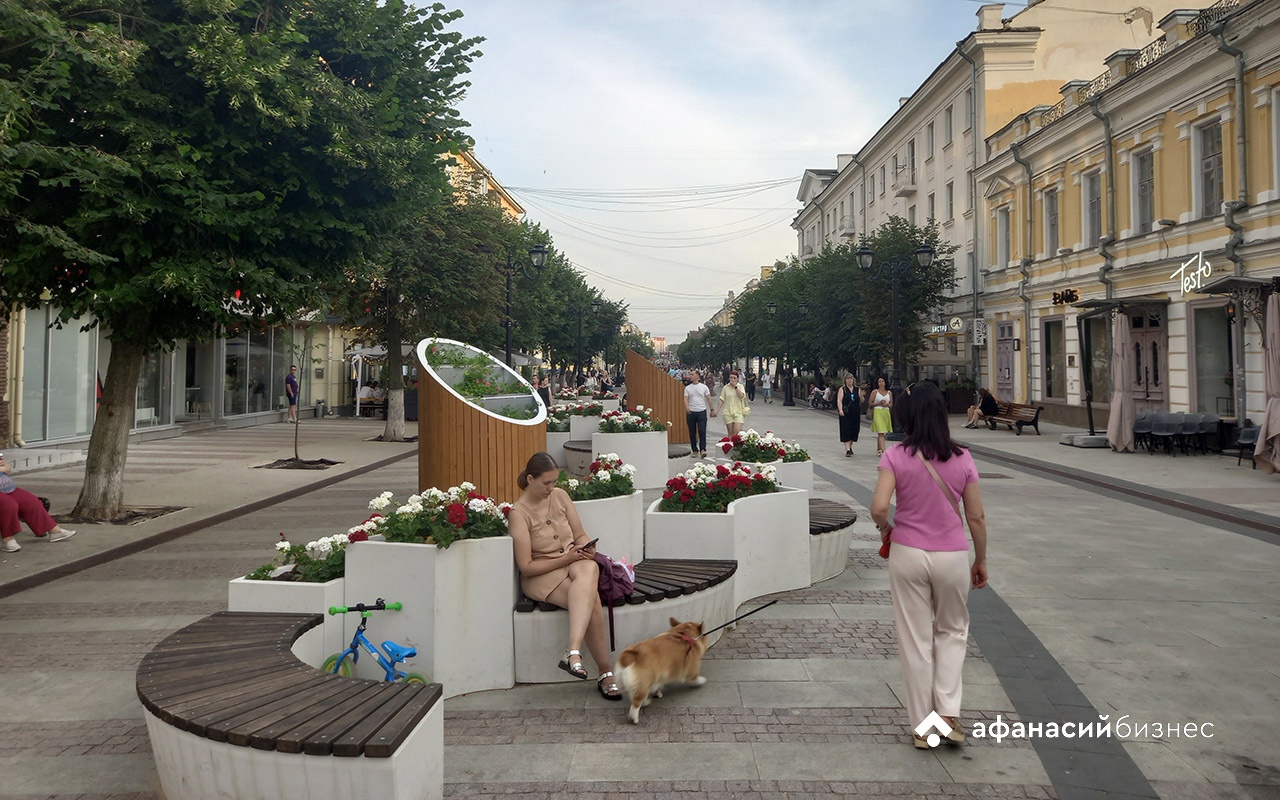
(831, 526)
(689, 590)
(231, 709)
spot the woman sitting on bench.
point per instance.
(987, 406)
(556, 568)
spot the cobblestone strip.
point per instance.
(855, 726)
(77, 738)
(742, 790)
(78, 650)
(801, 638)
(854, 597)
(11, 610)
(176, 569)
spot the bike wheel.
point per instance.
(414, 677)
(344, 669)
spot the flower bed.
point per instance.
(761, 448)
(711, 488)
(646, 451)
(439, 517)
(480, 379)
(638, 420)
(607, 476)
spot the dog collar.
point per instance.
(687, 639)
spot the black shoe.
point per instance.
(848, 453)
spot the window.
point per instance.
(1055, 359)
(1210, 169)
(951, 200)
(1002, 238)
(1051, 238)
(911, 161)
(895, 166)
(933, 209)
(872, 178)
(911, 215)
(946, 126)
(1093, 209)
(1144, 191)
(1214, 387)
(928, 142)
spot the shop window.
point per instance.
(1214, 389)
(236, 370)
(1055, 359)
(1099, 366)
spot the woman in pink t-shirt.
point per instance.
(929, 570)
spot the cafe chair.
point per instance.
(1142, 431)
(1164, 431)
(1246, 440)
(1189, 432)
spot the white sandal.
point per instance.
(572, 664)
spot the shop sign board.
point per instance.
(1192, 274)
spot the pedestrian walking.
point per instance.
(751, 386)
(733, 408)
(766, 386)
(697, 402)
(544, 390)
(929, 570)
(881, 413)
(849, 407)
(291, 393)
(18, 506)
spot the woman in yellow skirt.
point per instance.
(881, 401)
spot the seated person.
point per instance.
(829, 397)
(366, 392)
(815, 397)
(378, 393)
(987, 406)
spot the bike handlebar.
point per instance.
(380, 605)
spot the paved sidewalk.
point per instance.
(1145, 612)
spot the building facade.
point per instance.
(920, 164)
(1150, 193)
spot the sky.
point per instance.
(662, 143)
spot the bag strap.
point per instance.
(946, 490)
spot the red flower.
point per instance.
(506, 511)
(668, 494)
(781, 452)
(595, 466)
(722, 470)
(474, 495)
(457, 514)
(686, 496)
(358, 536)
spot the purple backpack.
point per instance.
(617, 581)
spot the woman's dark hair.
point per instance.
(538, 464)
(923, 413)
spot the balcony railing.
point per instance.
(1054, 114)
(1211, 15)
(1096, 87)
(1145, 57)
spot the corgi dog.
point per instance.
(674, 657)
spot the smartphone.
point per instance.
(590, 544)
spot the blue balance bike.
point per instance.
(344, 663)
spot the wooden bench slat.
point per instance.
(1016, 415)
(264, 738)
(659, 579)
(384, 743)
(352, 742)
(200, 716)
(306, 696)
(320, 742)
(293, 740)
(218, 721)
(178, 689)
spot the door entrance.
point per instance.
(1004, 361)
(1150, 349)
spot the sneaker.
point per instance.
(10, 545)
(61, 535)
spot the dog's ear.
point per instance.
(674, 622)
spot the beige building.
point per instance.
(1149, 192)
(919, 165)
(470, 177)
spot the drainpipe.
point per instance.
(1016, 149)
(973, 194)
(18, 343)
(1231, 208)
(1109, 148)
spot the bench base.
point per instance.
(195, 768)
(829, 553)
(540, 635)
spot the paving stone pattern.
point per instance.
(741, 790)
(78, 737)
(856, 597)
(17, 610)
(854, 726)
(99, 650)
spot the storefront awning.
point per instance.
(1234, 284)
(1098, 306)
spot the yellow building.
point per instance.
(1151, 191)
(469, 176)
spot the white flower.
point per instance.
(386, 495)
(477, 505)
(378, 503)
(628, 470)
(283, 546)
(435, 496)
(603, 475)
(574, 483)
(639, 407)
(415, 499)
(467, 486)
(405, 509)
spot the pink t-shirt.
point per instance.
(924, 517)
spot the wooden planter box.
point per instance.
(619, 522)
(768, 535)
(457, 608)
(647, 452)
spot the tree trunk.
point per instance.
(102, 495)
(394, 429)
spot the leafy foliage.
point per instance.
(607, 477)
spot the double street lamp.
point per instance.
(537, 258)
(923, 259)
(595, 309)
(788, 317)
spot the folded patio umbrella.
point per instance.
(1267, 451)
(1123, 410)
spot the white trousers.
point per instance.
(930, 591)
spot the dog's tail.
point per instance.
(624, 678)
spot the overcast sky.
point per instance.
(662, 143)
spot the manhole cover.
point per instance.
(992, 476)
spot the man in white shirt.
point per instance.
(697, 403)
(366, 392)
(766, 386)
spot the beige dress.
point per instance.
(548, 538)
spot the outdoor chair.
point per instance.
(1164, 431)
(1246, 440)
(1209, 425)
(1142, 431)
(1189, 432)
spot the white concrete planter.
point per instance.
(457, 608)
(555, 446)
(829, 553)
(619, 522)
(794, 474)
(611, 405)
(297, 598)
(647, 452)
(767, 534)
(581, 429)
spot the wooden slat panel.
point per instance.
(649, 386)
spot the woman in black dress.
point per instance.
(849, 407)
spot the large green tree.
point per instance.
(171, 166)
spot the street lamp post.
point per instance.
(537, 258)
(577, 363)
(923, 256)
(788, 318)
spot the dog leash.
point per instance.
(735, 619)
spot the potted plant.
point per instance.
(448, 559)
(639, 439)
(959, 393)
(584, 418)
(558, 432)
(734, 511)
(610, 506)
(790, 460)
(609, 399)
